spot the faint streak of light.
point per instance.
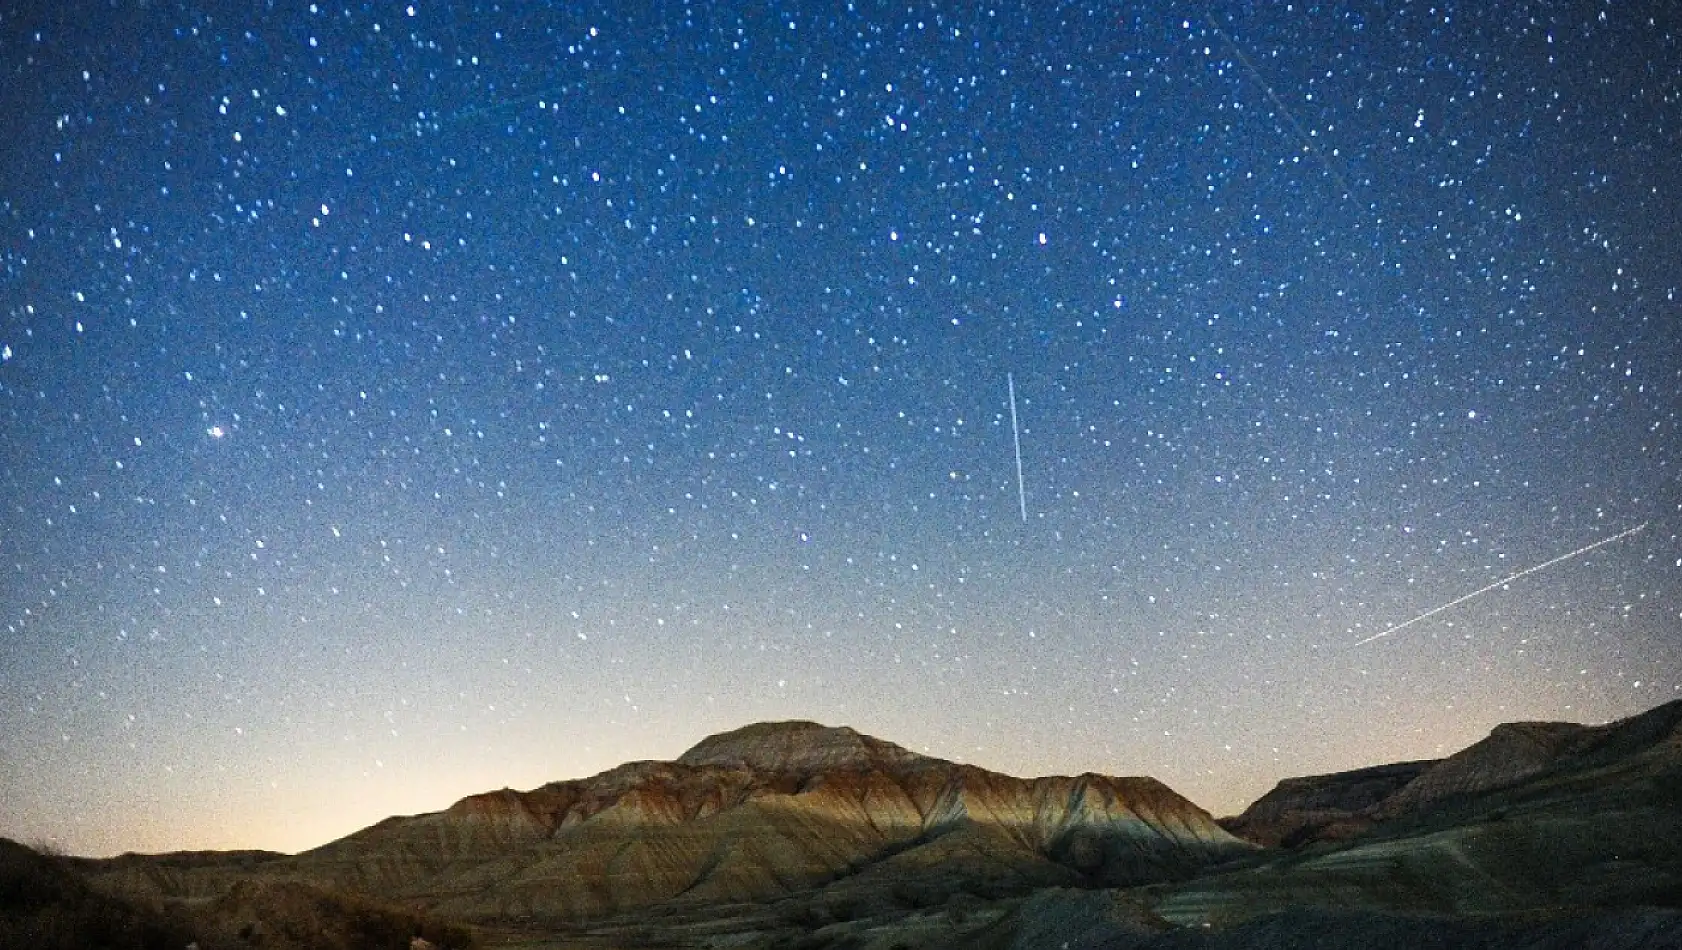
(1302, 136)
(1505, 580)
(1016, 440)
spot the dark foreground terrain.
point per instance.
(803, 836)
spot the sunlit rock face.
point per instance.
(758, 813)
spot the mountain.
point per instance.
(754, 815)
(800, 835)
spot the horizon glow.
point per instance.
(398, 407)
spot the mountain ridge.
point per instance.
(756, 813)
(800, 834)
(1341, 805)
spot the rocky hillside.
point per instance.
(749, 816)
(1332, 807)
(1337, 807)
(1537, 817)
(46, 903)
(1541, 836)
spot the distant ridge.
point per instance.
(1538, 818)
(1339, 806)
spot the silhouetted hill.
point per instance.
(1322, 807)
(45, 904)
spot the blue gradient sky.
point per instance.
(399, 402)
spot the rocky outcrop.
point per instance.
(757, 814)
(186, 874)
(1538, 817)
(1322, 807)
(801, 748)
(1515, 753)
(1342, 806)
(289, 915)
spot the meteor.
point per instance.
(1505, 580)
(1016, 440)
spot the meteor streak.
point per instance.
(1505, 580)
(1016, 440)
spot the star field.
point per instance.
(400, 401)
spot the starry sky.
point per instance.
(400, 401)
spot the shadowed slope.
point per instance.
(45, 904)
(1322, 807)
(1536, 816)
(1339, 806)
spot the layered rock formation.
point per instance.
(1341, 806)
(1537, 817)
(1518, 753)
(749, 816)
(1322, 807)
(797, 834)
(799, 747)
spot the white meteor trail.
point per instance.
(1505, 580)
(1016, 440)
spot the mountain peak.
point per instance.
(798, 746)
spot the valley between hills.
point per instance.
(800, 835)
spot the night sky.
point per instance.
(404, 401)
